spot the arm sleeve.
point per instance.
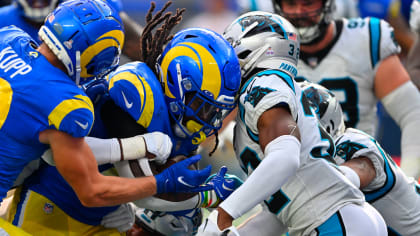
(281, 162)
(105, 150)
(403, 104)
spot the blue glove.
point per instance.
(223, 184)
(178, 178)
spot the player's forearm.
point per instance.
(413, 62)
(281, 162)
(111, 190)
(403, 104)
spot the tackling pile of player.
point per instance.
(92, 147)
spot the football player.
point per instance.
(42, 105)
(368, 166)
(29, 15)
(133, 104)
(357, 59)
(281, 146)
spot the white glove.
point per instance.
(209, 227)
(415, 16)
(121, 219)
(159, 144)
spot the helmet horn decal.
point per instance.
(212, 80)
(114, 38)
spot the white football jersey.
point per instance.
(317, 190)
(391, 192)
(348, 68)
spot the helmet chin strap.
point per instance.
(78, 68)
(194, 127)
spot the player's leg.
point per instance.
(35, 213)
(354, 220)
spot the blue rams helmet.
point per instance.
(37, 10)
(326, 107)
(200, 74)
(86, 36)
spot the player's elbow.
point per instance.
(91, 197)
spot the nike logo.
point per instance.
(181, 180)
(226, 188)
(83, 126)
(127, 104)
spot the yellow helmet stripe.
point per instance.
(113, 38)
(6, 94)
(169, 57)
(145, 92)
(65, 107)
(212, 80)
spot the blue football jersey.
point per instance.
(136, 90)
(34, 96)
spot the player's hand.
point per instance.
(158, 144)
(95, 89)
(223, 184)
(209, 227)
(415, 16)
(178, 178)
(121, 219)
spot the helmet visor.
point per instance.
(210, 113)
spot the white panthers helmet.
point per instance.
(165, 223)
(264, 40)
(326, 107)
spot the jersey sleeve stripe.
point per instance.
(6, 94)
(372, 196)
(85, 99)
(145, 114)
(284, 76)
(64, 108)
(375, 40)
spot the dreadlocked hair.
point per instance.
(216, 134)
(151, 45)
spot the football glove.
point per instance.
(158, 144)
(178, 178)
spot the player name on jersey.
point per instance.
(9, 60)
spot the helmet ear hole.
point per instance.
(170, 79)
(244, 54)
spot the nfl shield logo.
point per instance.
(48, 208)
